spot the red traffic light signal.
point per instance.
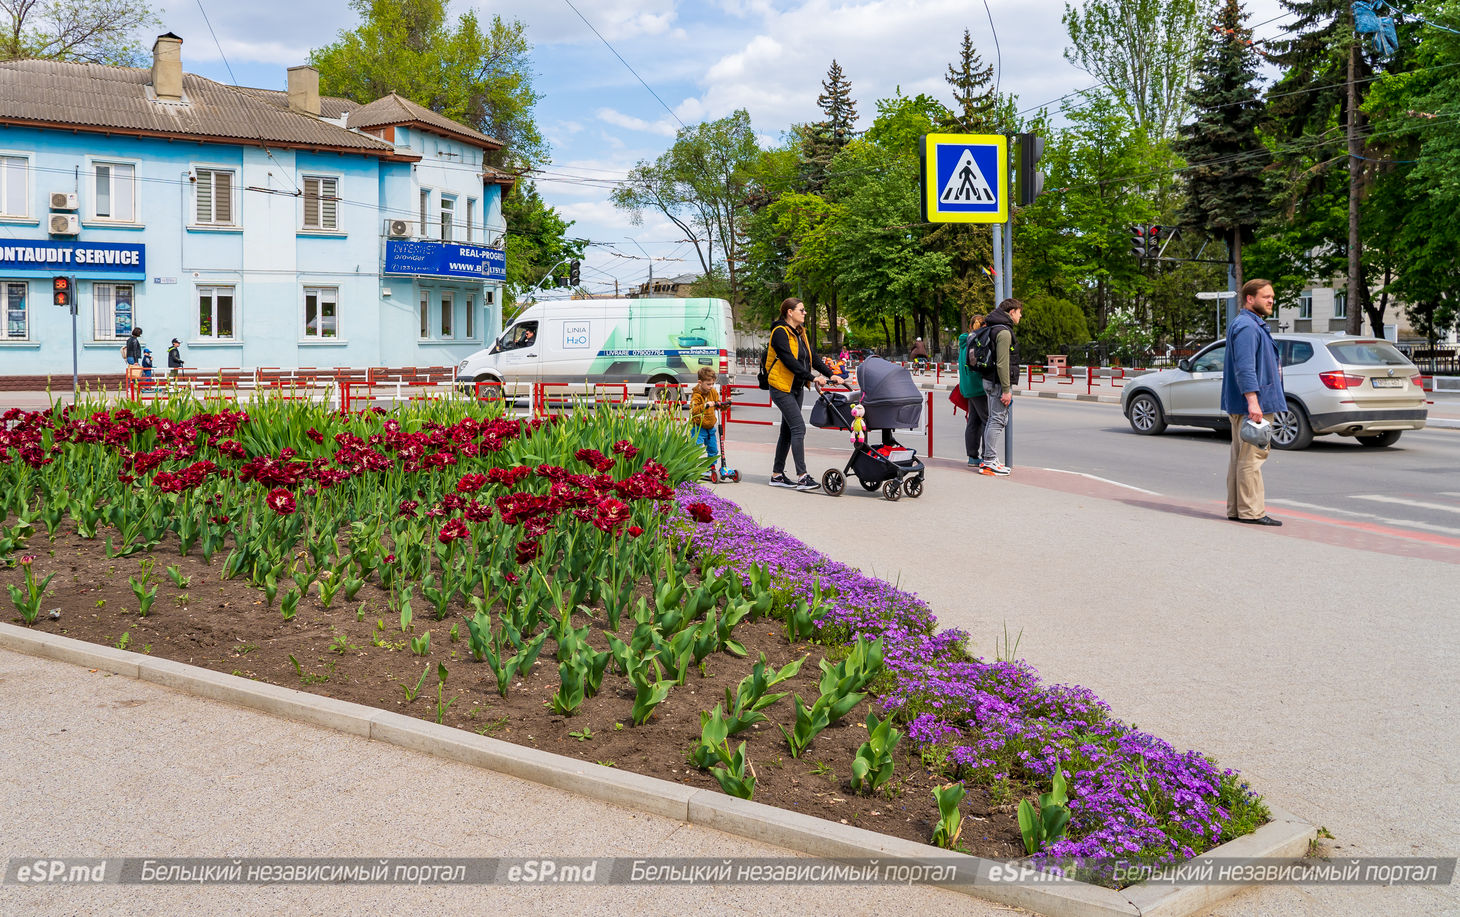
(61, 290)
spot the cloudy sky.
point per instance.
(702, 59)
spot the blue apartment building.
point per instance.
(261, 228)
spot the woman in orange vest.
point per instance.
(791, 364)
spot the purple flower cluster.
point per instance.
(1131, 794)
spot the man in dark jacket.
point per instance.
(174, 358)
(1252, 389)
(1000, 386)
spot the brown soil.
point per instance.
(226, 626)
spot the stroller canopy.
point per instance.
(889, 394)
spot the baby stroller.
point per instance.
(891, 400)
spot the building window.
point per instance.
(448, 307)
(16, 326)
(471, 325)
(471, 215)
(448, 216)
(14, 186)
(115, 191)
(425, 209)
(321, 203)
(111, 306)
(1305, 304)
(321, 312)
(215, 197)
(216, 318)
(1340, 304)
(425, 315)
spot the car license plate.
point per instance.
(1390, 383)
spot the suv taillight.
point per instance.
(1418, 380)
(1341, 380)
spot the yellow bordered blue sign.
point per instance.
(965, 178)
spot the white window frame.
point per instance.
(448, 316)
(1340, 304)
(425, 315)
(471, 213)
(95, 166)
(326, 201)
(425, 213)
(214, 289)
(6, 288)
(104, 311)
(5, 174)
(321, 294)
(207, 176)
(448, 217)
(1305, 304)
(470, 326)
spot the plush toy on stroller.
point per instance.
(889, 400)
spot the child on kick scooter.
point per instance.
(704, 415)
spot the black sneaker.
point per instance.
(780, 480)
(807, 482)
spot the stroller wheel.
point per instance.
(834, 482)
(869, 485)
(913, 486)
(892, 491)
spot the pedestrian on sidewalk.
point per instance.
(1252, 389)
(791, 364)
(704, 400)
(970, 385)
(1001, 388)
(174, 359)
(132, 354)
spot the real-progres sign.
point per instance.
(965, 178)
(445, 259)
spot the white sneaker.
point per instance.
(993, 468)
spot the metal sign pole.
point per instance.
(75, 353)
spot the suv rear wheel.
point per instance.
(1291, 429)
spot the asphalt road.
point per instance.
(1413, 485)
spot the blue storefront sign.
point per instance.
(444, 259)
(44, 257)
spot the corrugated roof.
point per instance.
(394, 109)
(329, 106)
(97, 97)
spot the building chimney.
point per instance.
(167, 68)
(304, 90)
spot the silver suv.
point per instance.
(1359, 387)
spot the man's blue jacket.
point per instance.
(1251, 365)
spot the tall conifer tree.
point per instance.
(1224, 185)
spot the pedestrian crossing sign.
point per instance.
(965, 178)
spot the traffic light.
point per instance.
(61, 288)
(573, 273)
(1028, 180)
(1153, 241)
(1138, 241)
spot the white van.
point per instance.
(652, 341)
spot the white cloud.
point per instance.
(663, 128)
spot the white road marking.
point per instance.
(1387, 520)
(1400, 501)
(1103, 480)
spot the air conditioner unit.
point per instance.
(63, 200)
(65, 224)
(400, 229)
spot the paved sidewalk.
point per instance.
(1330, 683)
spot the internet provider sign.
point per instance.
(444, 259)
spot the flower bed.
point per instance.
(539, 554)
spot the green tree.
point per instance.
(1225, 192)
(1050, 325)
(479, 77)
(822, 140)
(1142, 52)
(85, 31)
(700, 184)
(975, 107)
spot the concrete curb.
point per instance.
(1285, 836)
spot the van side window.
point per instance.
(521, 335)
